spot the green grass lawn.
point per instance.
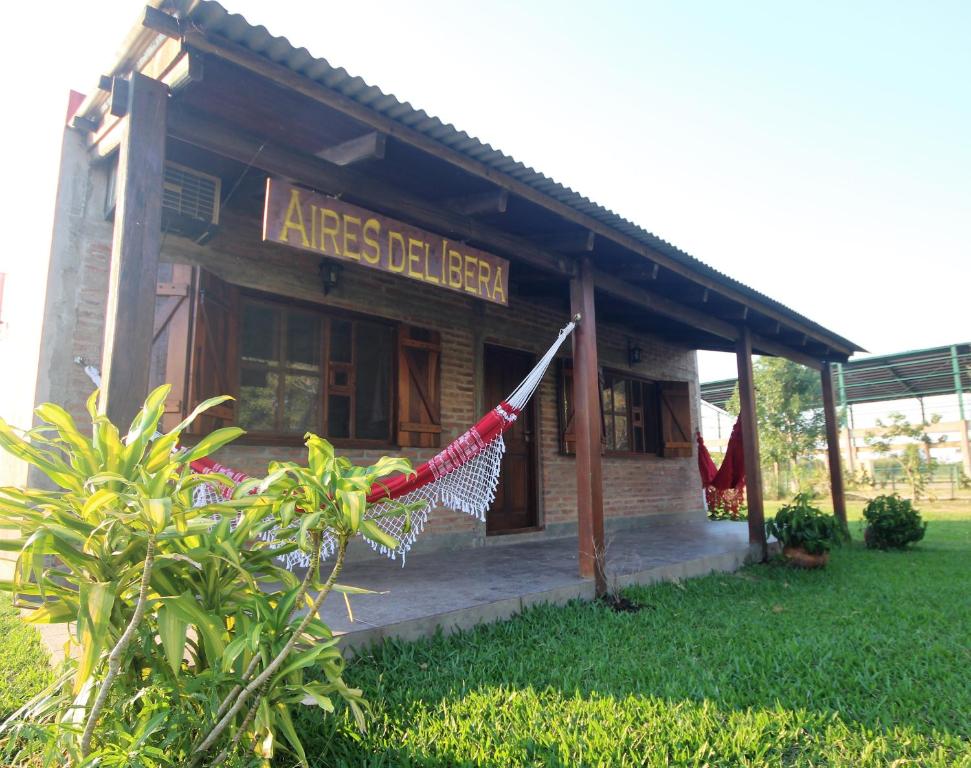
(24, 665)
(867, 663)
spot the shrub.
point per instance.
(800, 524)
(193, 641)
(891, 523)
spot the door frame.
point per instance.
(535, 453)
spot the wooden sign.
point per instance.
(320, 224)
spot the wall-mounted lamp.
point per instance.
(633, 354)
(329, 274)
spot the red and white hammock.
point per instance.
(463, 477)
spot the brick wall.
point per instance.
(633, 486)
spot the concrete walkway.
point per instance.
(457, 589)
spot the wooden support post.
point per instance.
(129, 316)
(750, 443)
(833, 446)
(851, 454)
(587, 425)
(965, 446)
(848, 410)
(963, 431)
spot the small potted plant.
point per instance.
(891, 523)
(805, 532)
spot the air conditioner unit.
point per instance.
(190, 201)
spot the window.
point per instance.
(302, 370)
(638, 416)
(292, 368)
(630, 413)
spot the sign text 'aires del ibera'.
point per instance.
(320, 224)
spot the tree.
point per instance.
(914, 455)
(788, 406)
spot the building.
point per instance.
(343, 263)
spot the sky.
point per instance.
(818, 152)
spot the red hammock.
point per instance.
(455, 455)
(725, 485)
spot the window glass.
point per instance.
(258, 399)
(258, 378)
(294, 362)
(630, 413)
(339, 416)
(340, 341)
(607, 402)
(374, 348)
(301, 398)
(303, 340)
(621, 416)
(260, 331)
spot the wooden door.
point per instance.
(515, 506)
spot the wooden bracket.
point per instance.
(85, 124)
(569, 242)
(118, 99)
(493, 201)
(370, 146)
(161, 22)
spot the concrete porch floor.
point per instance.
(457, 589)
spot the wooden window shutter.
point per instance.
(170, 338)
(568, 438)
(419, 387)
(215, 353)
(675, 406)
(603, 419)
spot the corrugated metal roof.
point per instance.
(903, 375)
(899, 376)
(718, 392)
(213, 19)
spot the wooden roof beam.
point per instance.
(765, 346)
(662, 305)
(370, 146)
(226, 140)
(643, 272)
(735, 313)
(703, 321)
(568, 242)
(480, 203)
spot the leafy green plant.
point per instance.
(800, 524)
(191, 641)
(891, 523)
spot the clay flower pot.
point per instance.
(800, 558)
